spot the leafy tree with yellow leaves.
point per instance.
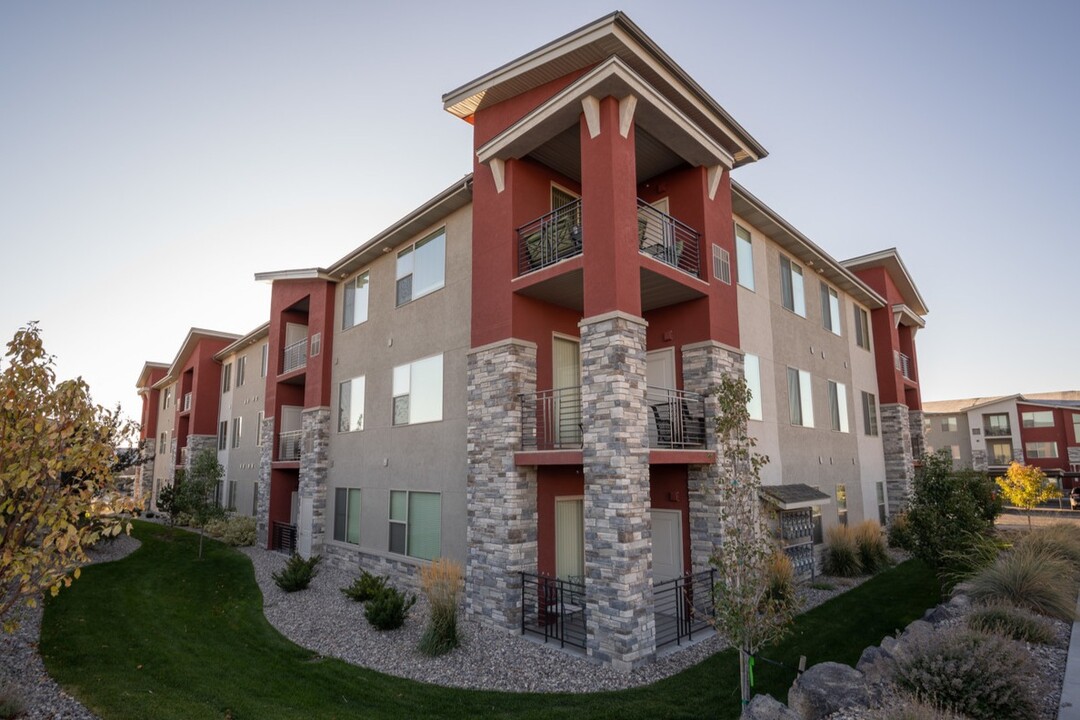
(57, 456)
(1025, 487)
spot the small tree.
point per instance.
(747, 613)
(57, 452)
(196, 492)
(1026, 486)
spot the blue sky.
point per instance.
(154, 156)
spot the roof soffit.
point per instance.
(890, 261)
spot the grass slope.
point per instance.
(163, 635)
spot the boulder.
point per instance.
(940, 614)
(826, 688)
(766, 707)
(874, 664)
(917, 630)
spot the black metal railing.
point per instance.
(551, 419)
(553, 608)
(549, 239)
(676, 418)
(289, 444)
(668, 240)
(683, 606)
(284, 538)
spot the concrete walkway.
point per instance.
(1069, 709)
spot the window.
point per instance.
(955, 451)
(752, 373)
(838, 406)
(166, 398)
(882, 509)
(997, 424)
(869, 411)
(418, 391)
(259, 417)
(416, 524)
(230, 500)
(1076, 427)
(316, 345)
(347, 515)
(351, 405)
(264, 363)
(721, 264)
(1038, 450)
(791, 287)
(237, 431)
(999, 451)
(1038, 419)
(830, 309)
(948, 424)
(841, 503)
(421, 268)
(241, 370)
(744, 257)
(163, 440)
(356, 302)
(800, 401)
(223, 435)
(815, 515)
(226, 378)
(862, 329)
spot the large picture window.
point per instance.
(744, 257)
(1041, 450)
(416, 524)
(351, 405)
(421, 268)
(356, 301)
(792, 292)
(418, 391)
(347, 515)
(1038, 419)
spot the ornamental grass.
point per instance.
(441, 583)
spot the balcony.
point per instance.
(295, 356)
(997, 431)
(551, 419)
(289, 445)
(664, 238)
(186, 405)
(550, 238)
(904, 365)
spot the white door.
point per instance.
(570, 538)
(303, 527)
(660, 368)
(667, 545)
(566, 381)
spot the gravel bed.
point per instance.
(22, 672)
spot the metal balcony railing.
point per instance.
(551, 419)
(549, 239)
(668, 240)
(187, 402)
(683, 606)
(676, 418)
(295, 356)
(284, 537)
(903, 364)
(289, 444)
(554, 608)
(997, 431)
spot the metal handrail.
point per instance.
(284, 537)
(289, 444)
(551, 419)
(295, 356)
(554, 608)
(904, 366)
(683, 606)
(997, 432)
(676, 418)
(669, 240)
(550, 238)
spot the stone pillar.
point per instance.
(144, 481)
(918, 433)
(704, 366)
(262, 487)
(501, 497)
(314, 460)
(618, 534)
(899, 462)
(978, 460)
(197, 444)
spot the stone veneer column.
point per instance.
(197, 444)
(899, 461)
(918, 433)
(314, 460)
(704, 365)
(144, 484)
(262, 487)
(501, 497)
(978, 460)
(618, 533)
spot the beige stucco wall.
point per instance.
(241, 464)
(425, 457)
(937, 439)
(164, 458)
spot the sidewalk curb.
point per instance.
(1069, 706)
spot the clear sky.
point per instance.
(154, 156)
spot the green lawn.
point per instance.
(162, 635)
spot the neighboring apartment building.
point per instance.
(989, 433)
(244, 366)
(515, 375)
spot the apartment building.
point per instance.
(244, 366)
(989, 433)
(516, 374)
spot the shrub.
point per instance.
(822, 585)
(1011, 622)
(976, 553)
(900, 532)
(781, 582)
(298, 573)
(216, 528)
(240, 531)
(1057, 539)
(1031, 577)
(388, 609)
(873, 553)
(183, 519)
(12, 704)
(909, 707)
(441, 583)
(365, 587)
(981, 676)
(841, 553)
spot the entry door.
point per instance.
(566, 381)
(664, 418)
(667, 545)
(570, 538)
(660, 368)
(303, 527)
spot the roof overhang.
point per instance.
(794, 496)
(891, 262)
(295, 274)
(793, 242)
(612, 35)
(247, 340)
(194, 337)
(649, 109)
(147, 372)
(433, 211)
(903, 315)
(963, 405)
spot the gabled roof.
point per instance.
(612, 35)
(194, 337)
(890, 260)
(784, 234)
(148, 369)
(939, 407)
(257, 334)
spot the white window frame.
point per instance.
(803, 390)
(792, 281)
(237, 431)
(406, 269)
(838, 407)
(403, 382)
(226, 378)
(354, 301)
(744, 257)
(1035, 416)
(862, 328)
(870, 414)
(223, 435)
(241, 370)
(830, 308)
(949, 424)
(345, 391)
(264, 361)
(1033, 449)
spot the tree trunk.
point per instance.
(1029, 519)
(744, 676)
(200, 542)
